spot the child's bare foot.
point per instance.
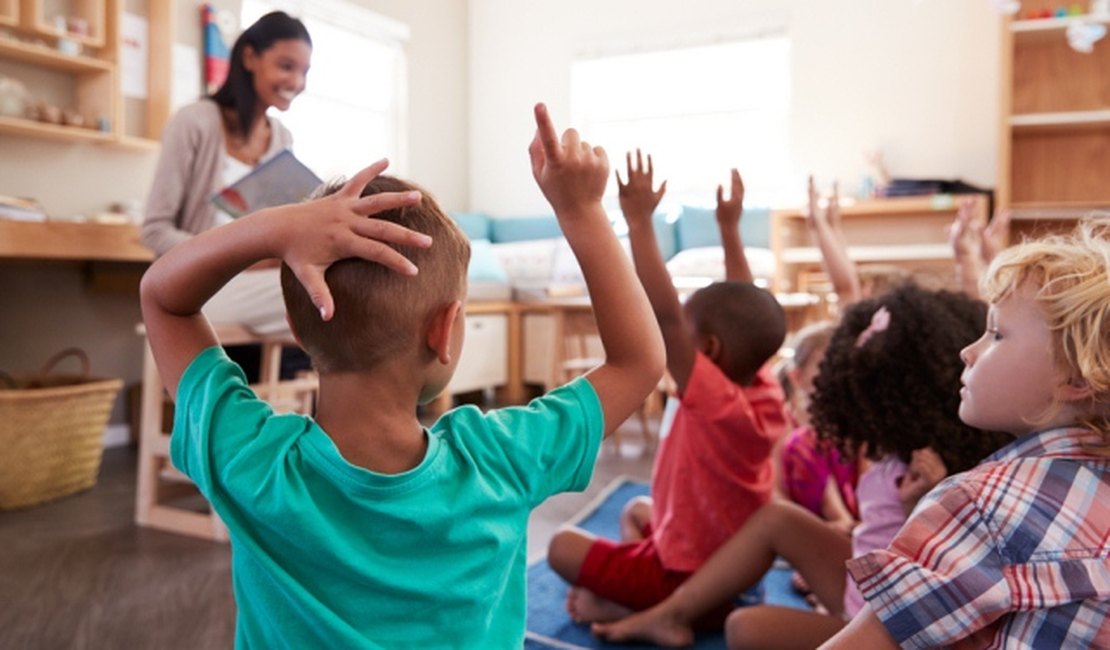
(586, 607)
(650, 625)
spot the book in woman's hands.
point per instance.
(280, 180)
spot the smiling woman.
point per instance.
(217, 140)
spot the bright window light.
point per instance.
(353, 110)
(700, 111)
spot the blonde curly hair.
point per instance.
(1073, 275)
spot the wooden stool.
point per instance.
(574, 343)
(158, 484)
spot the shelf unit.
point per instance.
(88, 83)
(909, 232)
(1054, 145)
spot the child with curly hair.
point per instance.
(1016, 552)
(887, 390)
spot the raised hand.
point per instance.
(571, 174)
(995, 235)
(963, 234)
(730, 209)
(637, 198)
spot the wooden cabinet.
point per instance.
(910, 233)
(37, 49)
(1054, 153)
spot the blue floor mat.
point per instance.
(549, 626)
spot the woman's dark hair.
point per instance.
(237, 91)
(900, 389)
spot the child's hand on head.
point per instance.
(925, 470)
(637, 198)
(730, 209)
(336, 227)
(571, 174)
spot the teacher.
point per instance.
(215, 141)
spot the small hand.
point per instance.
(637, 198)
(995, 235)
(571, 174)
(832, 212)
(926, 469)
(336, 227)
(963, 236)
(814, 215)
(729, 210)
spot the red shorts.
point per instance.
(631, 574)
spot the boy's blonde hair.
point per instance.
(380, 313)
(1072, 273)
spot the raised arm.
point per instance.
(572, 176)
(309, 237)
(825, 228)
(638, 201)
(729, 212)
(965, 238)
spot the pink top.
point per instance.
(880, 515)
(714, 469)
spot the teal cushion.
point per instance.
(509, 229)
(474, 224)
(697, 227)
(665, 234)
(485, 266)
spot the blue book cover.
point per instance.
(280, 180)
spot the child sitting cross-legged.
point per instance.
(1015, 553)
(360, 528)
(713, 469)
(886, 391)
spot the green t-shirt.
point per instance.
(326, 554)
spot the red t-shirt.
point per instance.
(714, 468)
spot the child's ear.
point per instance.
(711, 347)
(444, 322)
(1075, 390)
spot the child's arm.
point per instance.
(966, 243)
(638, 202)
(825, 227)
(926, 469)
(995, 235)
(309, 237)
(728, 221)
(572, 175)
(865, 630)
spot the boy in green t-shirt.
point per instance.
(359, 527)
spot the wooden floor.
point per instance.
(78, 574)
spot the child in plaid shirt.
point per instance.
(1016, 552)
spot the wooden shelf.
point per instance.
(51, 58)
(893, 253)
(31, 128)
(1067, 120)
(1061, 211)
(1045, 28)
(63, 240)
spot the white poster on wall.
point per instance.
(133, 56)
(187, 85)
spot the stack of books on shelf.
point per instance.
(18, 209)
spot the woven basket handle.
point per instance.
(78, 353)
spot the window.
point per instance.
(699, 111)
(353, 109)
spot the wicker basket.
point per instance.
(51, 431)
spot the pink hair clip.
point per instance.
(879, 322)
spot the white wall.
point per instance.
(916, 78)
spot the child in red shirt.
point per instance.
(714, 468)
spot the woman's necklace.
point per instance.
(250, 150)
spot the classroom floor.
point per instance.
(79, 574)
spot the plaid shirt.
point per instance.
(1012, 554)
